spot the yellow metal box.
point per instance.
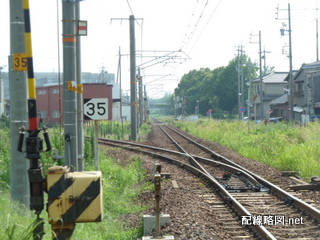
(74, 196)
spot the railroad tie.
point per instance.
(175, 184)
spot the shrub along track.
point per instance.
(199, 213)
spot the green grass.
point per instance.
(15, 219)
(110, 129)
(282, 145)
(4, 158)
(121, 187)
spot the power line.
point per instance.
(206, 24)
(189, 24)
(130, 7)
(196, 25)
(132, 12)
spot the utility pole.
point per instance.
(133, 79)
(317, 40)
(146, 109)
(260, 83)
(133, 82)
(19, 181)
(79, 95)
(141, 107)
(1, 93)
(240, 81)
(290, 66)
(261, 78)
(264, 57)
(291, 90)
(69, 84)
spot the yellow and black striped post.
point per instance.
(32, 106)
(73, 197)
(34, 144)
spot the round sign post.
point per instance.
(242, 109)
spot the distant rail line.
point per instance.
(266, 210)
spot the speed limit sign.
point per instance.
(95, 108)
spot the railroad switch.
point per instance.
(157, 168)
(151, 222)
(33, 148)
(226, 176)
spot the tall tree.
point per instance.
(215, 89)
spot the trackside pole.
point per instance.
(133, 81)
(34, 144)
(96, 150)
(69, 84)
(19, 186)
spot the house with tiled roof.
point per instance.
(273, 86)
(307, 91)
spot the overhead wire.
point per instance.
(130, 7)
(196, 25)
(189, 24)
(206, 25)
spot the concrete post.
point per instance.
(69, 82)
(141, 106)
(19, 180)
(79, 97)
(133, 82)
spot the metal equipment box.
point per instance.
(74, 197)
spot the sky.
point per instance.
(199, 33)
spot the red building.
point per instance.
(49, 98)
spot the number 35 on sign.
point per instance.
(95, 108)
(20, 62)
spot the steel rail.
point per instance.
(289, 199)
(245, 176)
(191, 159)
(228, 199)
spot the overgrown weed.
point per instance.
(282, 145)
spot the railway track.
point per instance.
(261, 209)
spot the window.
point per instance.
(55, 114)
(257, 88)
(42, 92)
(42, 114)
(55, 90)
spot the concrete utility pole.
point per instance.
(291, 89)
(79, 96)
(240, 82)
(317, 40)
(260, 83)
(264, 57)
(69, 84)
(19, 181)
(290, 66)
(261, 78)
(145, 100)
(1, 93)
(141, 105)
(133, 82)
